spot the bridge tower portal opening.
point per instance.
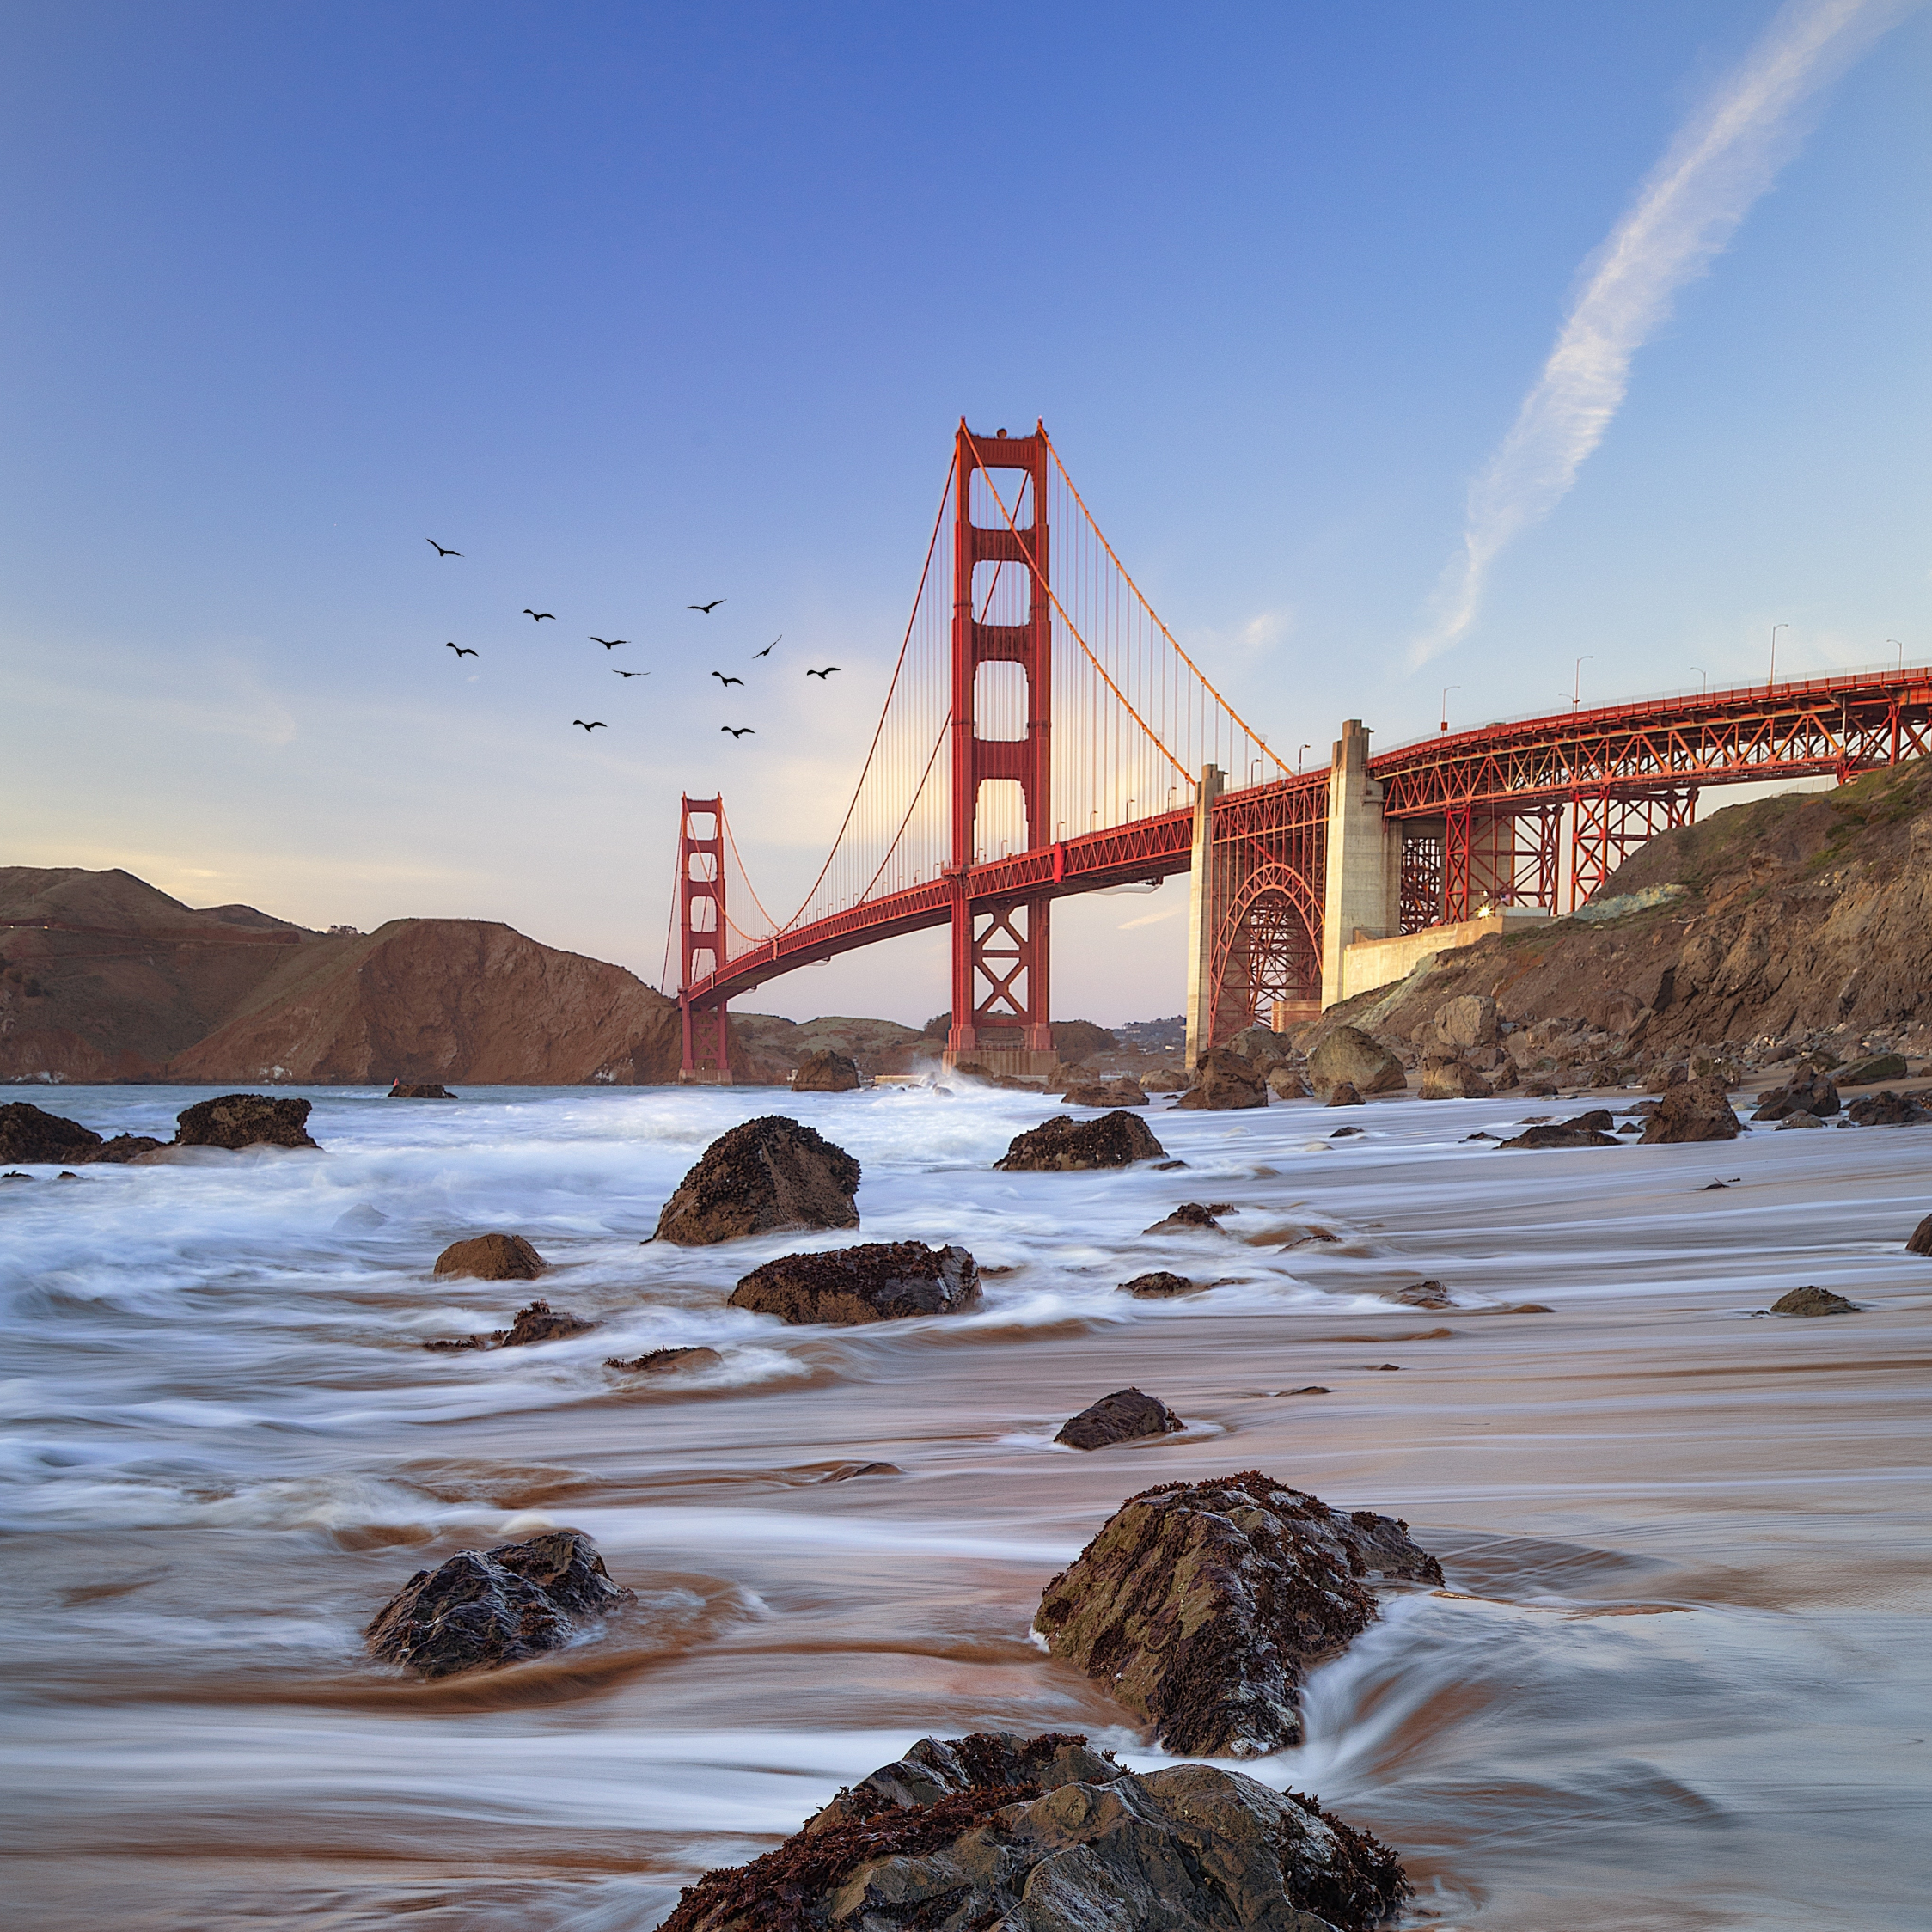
(707, 1056)
(1002, 953)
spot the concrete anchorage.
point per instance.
(1362, 897)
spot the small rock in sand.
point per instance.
(663, 1361)
(1067, 1146)
(1813, 1301)
(1124, 1417)
(877, 1281)
(1343, 1094)
(1160, 1286)
(1919, 1241)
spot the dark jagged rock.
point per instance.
(1065, 1145)
(421, 1090)
(1692, 1110)
(1160, 1286)
(1344, 1094)
(1348, 1053)
(1125, 1091)
(1888, 1109)
(1225, 1081)
(1806, 1092)
(1191, 1216)
(125, 1147)
(1813, 1301)
(492, 1257)
(244, 1119)
(485, 1608)
(767, 1176)
(1199, 1605)
(877, 1281)
(1048, 1835)
(1582, 1132)
(28, 1133)
(666, 1361)
(540, 1322)
(1124, 1417)
(826, 1072)
(1919, 1241)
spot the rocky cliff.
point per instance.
(1790, 918)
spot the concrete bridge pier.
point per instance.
(1205, 905)
(1362, 897)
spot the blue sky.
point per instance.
(636, 305)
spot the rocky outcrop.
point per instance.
(666, 1361)
(1122, 1092)
(1158, 1286)
(540, 1322)
(487, 1608)
(1695, 1111)
(1224, 1081)
(766, 1177)
(1285, 1083)
(1200, 1606)
(825, 1072)
(1190, 1216)
(1919, 1241)
(244, 1119)
(1806, 1092)
(423, 1089)
(1343, 1093)
(1047, 1835)
(1888, 1109)
(877, 1281)
(28, 1133)
(126, 1147)
(1348, 1054)
(1067, 1146)
(491, 1257)
(1586, 1130)
(1124, 1417)
(1453, 1080)
(1813, 1301)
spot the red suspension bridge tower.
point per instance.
(1001, 989)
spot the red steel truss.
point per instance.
(700, 911)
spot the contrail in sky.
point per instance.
(1723, 158)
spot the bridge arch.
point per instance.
(1267, 948)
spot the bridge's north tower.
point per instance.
(1001, 991)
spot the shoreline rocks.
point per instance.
(822, 1071)
(1122, 1091)
(1064, 1145)
(487, 1608)
(876, 1282)
(1919, 1241)
(1158, 1286)
(491, 1257)
(29, 1133)
(763, 1177)
(1350, 1055)
(998, 1830)
(665, 1361)
(1692, 1109)
(1225, 1081)
(236, 1120)
(1200, 1606)
(1126, 1416)
(1813, 1301)
(540, 1322)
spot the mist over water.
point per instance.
(1680, 1677)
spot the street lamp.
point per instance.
(1705, 675)
(1776, 628)
(1298, 758)
(1447, 689)
(1901, 655)
(1576, 690)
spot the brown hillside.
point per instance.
(1792, 916)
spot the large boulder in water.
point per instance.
(1808, 1091)
(1226, 1081)
(491, 1257)
(1812, 1300)
(825, 1072)
(1048, 1835)
(767, 1176)
(1126, 1416)
(1350, 1055)
(1919, 1241)
(244, 1119)
(1200, 1605)
(497, 1606)
(1065, 1145)
(1693, 1111)
(1888, 1108)
(28, 1133)
(876, 1282)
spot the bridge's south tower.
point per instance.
(1002, 614)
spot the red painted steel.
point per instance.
(700, 900)
(1001, 952)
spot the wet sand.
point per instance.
(1679, 1680)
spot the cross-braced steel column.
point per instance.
(700, 906)
(1000, 953)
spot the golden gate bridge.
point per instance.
(1043, 733)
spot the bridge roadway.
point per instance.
(1451, 791)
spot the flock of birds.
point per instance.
(589, 724)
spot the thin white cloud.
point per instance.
(1723, 158)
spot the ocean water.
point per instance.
(1680, 1677)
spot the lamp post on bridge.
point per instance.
(1901, 655)
(1705, 675)
(1776, 628)
(1298, 758)
(1576, 686)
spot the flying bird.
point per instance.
(459, 650)
(438, 548)
(826, 673)
(707, 608)
(538, 616)
(630, 674)
(596, 723)
(738, 730)
(722, 679)
(609, 644)
(770, 647)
